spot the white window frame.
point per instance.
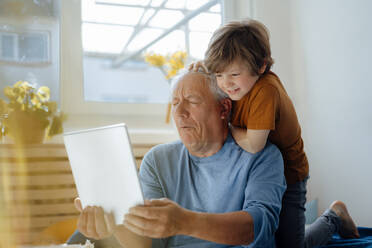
(72, 92)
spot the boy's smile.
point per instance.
(236, 80)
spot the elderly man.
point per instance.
(206, 191)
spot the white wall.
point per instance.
(336, 39)
(322, 51)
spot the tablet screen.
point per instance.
(104, 169)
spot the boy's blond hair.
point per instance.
(247, 40)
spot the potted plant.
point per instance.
(29, 116)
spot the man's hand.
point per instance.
(93, 222)
(198, 65)
(158, 218)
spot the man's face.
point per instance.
(197, 113)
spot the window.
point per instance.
(117, 33)
(24, 48)
(29, 44)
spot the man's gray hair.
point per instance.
(211, 79)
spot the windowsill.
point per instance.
(142, 129)
(150, 130)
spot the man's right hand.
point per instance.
(198, 65)
(93, 222)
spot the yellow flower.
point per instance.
(18, 84)
(181, 55)
(43, 93)
(169, 65)
(25, 86)
(171, 73)
(8, 92)
(155, 59)
(35, 100)
(175, 63)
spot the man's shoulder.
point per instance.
(166, 148)
(270, 153)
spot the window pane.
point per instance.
(176, 4)
(157, 3)
(143, 38)
(134, 80)
(110, 14)
(147, 15)
(194, 4)
(199, 44)
(216, 8)
(104, 38)
(138, 83)
(8, 42)
(161, 19)
(129, 2)
(205, 22)
(33, 47)
(173, 42)
(30, 36)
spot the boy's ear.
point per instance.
(226, 108)
(263, 68)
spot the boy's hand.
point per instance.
(197, 66)
(93, 222)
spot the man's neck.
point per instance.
(209, 148)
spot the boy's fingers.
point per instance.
(198, 65)
(191, 66)
(202, 66)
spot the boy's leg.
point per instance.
(333, 220)
(291, 230)
(321, 231)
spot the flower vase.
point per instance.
(26, 128)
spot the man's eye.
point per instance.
(218, 75)
(235, 74)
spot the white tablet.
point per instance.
(104, 169)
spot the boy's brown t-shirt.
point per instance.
(268, 107)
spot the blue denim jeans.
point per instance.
(291, 231)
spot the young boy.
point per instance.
(239, 55)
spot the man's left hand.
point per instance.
(158, 218)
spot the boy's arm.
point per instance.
(250, 140)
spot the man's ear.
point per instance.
(226, 108)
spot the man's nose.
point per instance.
(180, 109)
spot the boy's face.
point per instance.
(236, 80)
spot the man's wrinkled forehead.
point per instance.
(192, 82)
